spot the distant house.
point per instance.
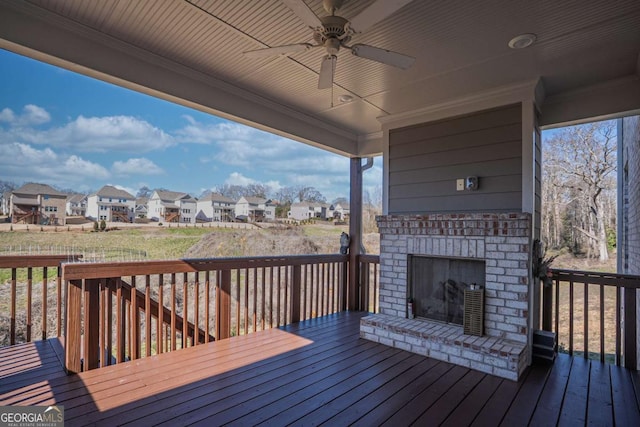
(142, 207)
(38, 204)
(252, 208)
(341, 211)
(306, 210)
(172, 206)
(76, 205)
(111, 204)
(215, 207)
(5, 203)
(270, 210)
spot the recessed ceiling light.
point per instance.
(522, 41)
(345, 98)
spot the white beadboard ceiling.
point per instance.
(190, 51)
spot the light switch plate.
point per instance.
(460, 184)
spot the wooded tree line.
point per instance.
(579, 189)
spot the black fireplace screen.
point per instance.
(437, 285)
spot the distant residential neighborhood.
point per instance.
(41, 204)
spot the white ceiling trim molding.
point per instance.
(31, 31)
(370, 144)
(504, 95)
(609, 100)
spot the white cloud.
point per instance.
(23, 163)
(7, 115)
(95, 134)
(138, 166)
(32, 115)
(236, 178)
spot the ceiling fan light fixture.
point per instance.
(522, 41)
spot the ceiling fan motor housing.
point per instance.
(333, 27)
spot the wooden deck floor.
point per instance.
(315, 372)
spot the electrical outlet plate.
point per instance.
(460, 184)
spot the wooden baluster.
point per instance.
(630, 338)
(264, 297)
(103, 315)
(29, 301)
(44, 302)
(305, 286)
(602, 323)
(342, 285)
(618, 326)
(109, 317)
(160, 317)
(207, 301)
(196, 309)
(279, 285)
(185, 310)
(134, 323)
(73, 327)
(271, 297)
(296, 293)
(59, 302)
(309, 285)
(255, 299)
(173, 311)
(238, 290)
(120, 323)
(223, 306)
(246, 301)
(285, 303)
(147, 315)
(585, 310)
(571, 315)
(91, 324)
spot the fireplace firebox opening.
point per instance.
(437, 284)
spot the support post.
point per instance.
(223, 305)
(355, 233)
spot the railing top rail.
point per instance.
(25, 261)
(139, 268)
(369, 258)
(597, 278)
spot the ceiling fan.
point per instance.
(333, 32)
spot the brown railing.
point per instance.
(593, 313)
(106, 320)
(20, 303)
(369, 282)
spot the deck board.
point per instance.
(317, 372)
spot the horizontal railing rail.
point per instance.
(593, 313)
(20, 274)
(201, 299)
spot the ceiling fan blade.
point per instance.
(277, 50)
(327, 68)
(382, 55)
(302, 11)
(375, 13)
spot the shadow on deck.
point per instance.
(314, 372)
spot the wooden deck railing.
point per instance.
(369, 282)
(218, 298)
(593, 313)
(18, 295)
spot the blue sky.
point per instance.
(58, 127)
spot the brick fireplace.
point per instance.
(502, 242)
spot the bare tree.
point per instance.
(579, 167)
